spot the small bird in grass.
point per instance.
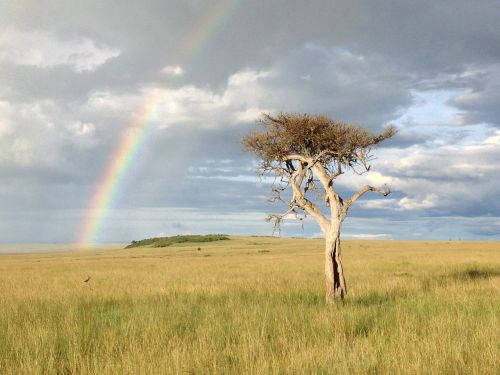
(87, 280)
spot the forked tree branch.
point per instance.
(299, 198)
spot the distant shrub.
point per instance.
(169, 241)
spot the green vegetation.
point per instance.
(255, 305)
(169, 241)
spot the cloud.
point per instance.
(377, 204)
(493, 140)
(172, 70)
(43, 49)
(6, 112)
(428, 201)
(39, 141)
(456, 180)
(209, 122)
(478, 100)
(348, 82)
(349, 86)
(75, 76)
(81, 128)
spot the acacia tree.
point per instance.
(306, 154)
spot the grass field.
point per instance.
(253, 305)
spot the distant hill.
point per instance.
(169, 241)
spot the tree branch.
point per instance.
(296, 157)
(278, 218)
(301, 201)
(347, 203)
(331, 195)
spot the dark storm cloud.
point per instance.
(358, 88)
(479, 101)
(422, 37)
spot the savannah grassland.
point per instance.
(253, 305)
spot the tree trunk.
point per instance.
(335, 282)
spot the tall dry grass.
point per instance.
(253, 305)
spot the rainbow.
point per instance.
(136, 134)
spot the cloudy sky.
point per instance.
(76, 76)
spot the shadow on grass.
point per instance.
(475, 273)
(464, 274)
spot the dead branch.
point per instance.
(365, 189)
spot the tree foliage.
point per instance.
(336, 145)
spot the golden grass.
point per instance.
(253, 305)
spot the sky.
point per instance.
(123, 120)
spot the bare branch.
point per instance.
(295, 157)
(348, 203)
(361, 172)
(278, 218)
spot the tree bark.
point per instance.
(334, 272)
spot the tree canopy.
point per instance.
(327, 141)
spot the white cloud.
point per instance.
(200, 107)
(40, 134)
(247, 76)
(172, 70)
(378, 204)
(428, 201)
(493, 140)
(249, 114)
(292, 216)
(6, 112)
(449, 177)
(79, 128)
(46, 50)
